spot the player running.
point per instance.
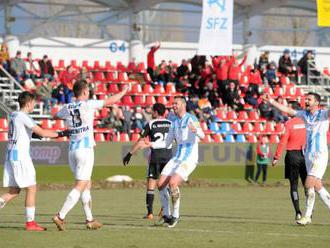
(19, 172)
(156, 130)
(316, 150)
(187, 132)
(294, 138)
(79, 117)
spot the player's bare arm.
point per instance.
(49, 133)
(279, 106)
(115, 98)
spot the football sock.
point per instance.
(175, 194)
(310, 202)
(86, 200)
(150, 200)
(2, 203)
(30, 213)
(294, 196)
(164, 198)
(325, 196)
(70, 202)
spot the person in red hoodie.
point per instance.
(68, 78)
(222, 73)
(235, 70)
(294, 139)
(151, 60)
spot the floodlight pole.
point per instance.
(7, 15)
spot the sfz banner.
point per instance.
(216, 34)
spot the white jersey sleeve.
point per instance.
(95, 104)
(63, 113)
(27, 121)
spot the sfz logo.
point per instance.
(216, 22)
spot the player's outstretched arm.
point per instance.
(49, 133)
(139, 145)
(280, 106)
(115, 98)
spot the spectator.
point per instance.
(46, 68)
(308, 67)
(68, 78)
(127, 119)
(270, 75)
(285, 65)
(18, 67)
(112, 121)
(31, 67)
(263, 61)
(263, 158)
(222, 75)
(151, 61)
(235, 69)
(44, 92)
(183, 69)
(232, 98)
(147, 113)
(252, 95)
(268, 112)
(138, 119)
(4, 56)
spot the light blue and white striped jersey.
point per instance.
(187, 141)
(317, 126)
(19, 136)
(79, 118)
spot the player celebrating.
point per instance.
(156, 130)
(316, 150)
(79, 117)
(19, 172)
(187, 132)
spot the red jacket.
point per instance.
(234, 71)
(151, 57)
(294, 137)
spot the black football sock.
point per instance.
(150, 200)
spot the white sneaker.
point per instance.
(304, 221)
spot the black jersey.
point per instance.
(157, 130)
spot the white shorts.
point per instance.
(81, 162)
(316, 165)
(21, 174)
(182, 168)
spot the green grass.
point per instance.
(250, 216)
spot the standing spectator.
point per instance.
(183, 69)
(46, 68)
(68, 78)
(307, 66)
(222, 74)
(127, 119)
(44, 91)
(4, 56)
(263, 157)
(17, 67)
(31, 67)
(263, 61)
(235, 69)
(151, 61)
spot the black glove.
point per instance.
(36, 136)
(64, 133)
(127, 158)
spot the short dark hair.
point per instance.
(295, 105)
(24, 98)
(182, 98)
(316, 96)
(159, 108)
(79, 87)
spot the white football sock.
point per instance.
(164, 199)
(310, 200)
(175, 194)
(70, 202)
(325, 196)
(86, 200)
(2, 203)
(30, 213)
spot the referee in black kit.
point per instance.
(294, 138)
(156, 130)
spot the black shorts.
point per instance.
(154, 169)
(295, 165)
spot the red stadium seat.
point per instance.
(98, 76)
(247, 127)
(113, 88)
(74, 63)
(274, 139)
(102, 88)
(122, 77)
(204, 126)
(108, 66)
(170, 89)
(3, 136)
(46, 124)
(251, 138)
(127, 100)
(85, 64)
(258, 127)
(141, 68)
(147, 88)
(269, 127)
(136, 88)
(54, 110)
(253, 115)
(110, 76)
(104, 112)
(139, 100)
(242, 116)
(3, 124)
(170, 101)
(99, 137)
(207, 139)
(124, 137)
(59, 125)
(279, 127)
(61, 65)
(162, 99)
(159, 89)
(231, 115)
(236, 126)
(217, 138)
(150, 100)
(221, 114)
(97, 65)
(299, 92)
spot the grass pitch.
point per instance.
(230, 216)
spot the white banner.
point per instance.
(216, 35)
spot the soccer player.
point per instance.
(79, 117)
(294, 138)
(316, 150)
(185, 129)
(19, 172)
(156, 130)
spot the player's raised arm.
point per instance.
(280, 106)
(196, 128)
(115, 98)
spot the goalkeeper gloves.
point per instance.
(64, 133)
(127, 158)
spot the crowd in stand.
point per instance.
(219, 82)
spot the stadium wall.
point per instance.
(118, 51)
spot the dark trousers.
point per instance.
(263, 168)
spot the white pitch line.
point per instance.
(220, 231)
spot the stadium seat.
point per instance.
(231, 115)
(99, 76)
(242, 116)
(204, 126)
(150, 100)
(122, 77)
(217, 138)
(274, 139)
(74, 64)
(97, 65)
(221, 114)
(109, 76)
(113, 88)
(139, 100)
(135, 137)
(104, 112)
(269, 127)
(299, 92)
(124, 137)
(46, 124)
(159, 89)
(101, 88)
(136, 88)
(170, 89)
(3, 124)
(141, 68)
(278, 91)
(54, 110)
(3, 136)
(240, 138)
(108, 66)
(229, 138)
(247, 127)
(59, 125)
(207, 139)
(236, 126)
(225, 127)
(253, 115)
(258, 127)
(127, 100)
(214, 127)
(61, 65)
(99, 137)
(162, 99)
(279, 127)
(147, 89)
(251, 138)
(85, 64)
